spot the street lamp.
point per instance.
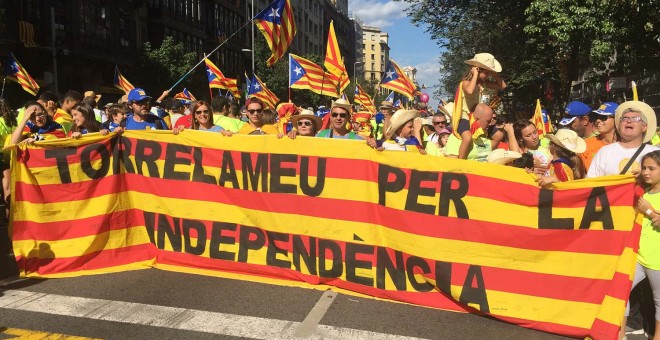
(249, 50)
(354, 67)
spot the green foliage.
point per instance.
(161, 67)
(544, 42)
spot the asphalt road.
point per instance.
(105, 306)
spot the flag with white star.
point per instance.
(258, 89)
(396, 80)
(278, 26)
(304, 74)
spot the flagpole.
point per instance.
(252, 14)
(290, 77)
(213, 51)
(210, 89)
(2, 94)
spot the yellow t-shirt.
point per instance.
(649, 241)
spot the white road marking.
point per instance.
(178, 318)
(309, 325)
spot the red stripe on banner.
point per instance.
(63, 230)
(578, 241)
(97, 260)
(480, 186)
(603, 330)
(495, 279)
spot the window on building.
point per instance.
(373, 77)
(373, 37)
(373, 66)
(373, 47)
(373, 57)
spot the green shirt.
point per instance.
(227, 123)
(649, 241)
(479, 151)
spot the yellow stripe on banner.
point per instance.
(550, 262)
(113, 239)
(612, 310)
(479, 209)
(146, 264)
(534, 308)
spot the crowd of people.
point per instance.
(610, 139)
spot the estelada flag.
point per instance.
(121, 82)
(185, 96)
(333, 60)
(396, 80)
(278, 26)
(16, 72)
(259, 90)
(304, 74)
(217, 79)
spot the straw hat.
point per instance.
(386, 105)
(342, 103)
(93, 94)
(648, 115)
(400, 118)
(448, 109)
(501, 156)
(485, 61)
(307, 114)
(569, 140)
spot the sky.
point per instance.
(409, 45)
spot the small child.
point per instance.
(117, 117)
(565, 165)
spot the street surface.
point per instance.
(156, 304)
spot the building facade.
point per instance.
(85, 39)
(376, 52)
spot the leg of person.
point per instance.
(6, 190)
(639, 276)
(654, 280)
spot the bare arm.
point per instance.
(17, 135)
(513, 143)
(466, 144)
(470, 85)
(498, 84)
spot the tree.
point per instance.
(543, 44)
(161, 67)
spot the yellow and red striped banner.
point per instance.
(442, 233)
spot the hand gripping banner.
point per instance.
(435, 232)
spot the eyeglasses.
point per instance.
(631, 119)
(253, 111)
(199, 112)
(440, 123)
(40, 115)
(603, 117)
(304, 123)
(342, 115)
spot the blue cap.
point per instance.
(607, 109)
(577, 108)
(136, 95)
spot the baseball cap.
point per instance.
(136, 95)
(573, 110)
(606, 109)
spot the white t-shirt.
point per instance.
(612, 158)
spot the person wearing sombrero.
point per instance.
(306, 124)
(565, 145)
(635, 123)
(483, 74)
(400, 135)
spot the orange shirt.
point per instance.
(593, 145)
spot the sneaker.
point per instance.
(630, 330)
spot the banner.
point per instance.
(437, 232)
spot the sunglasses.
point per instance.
(440, 123)
(199, 112)
(603, 117)
(253, 111)
(305, 123)
(342, 115)
(143, 102)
